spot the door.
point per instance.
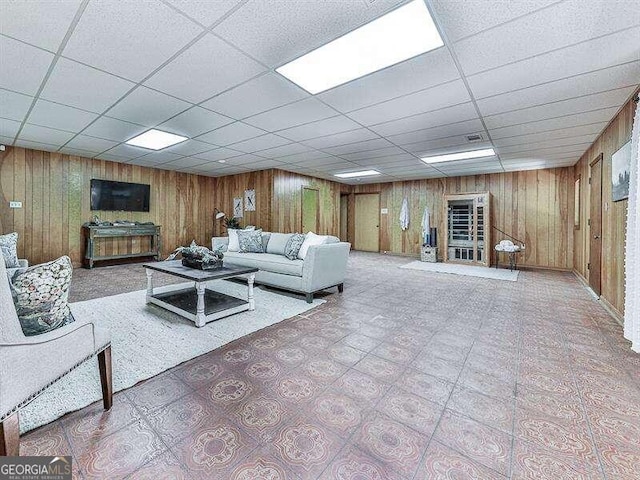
(344, 211)
(367, 222)
(595, 225)
(310, 206)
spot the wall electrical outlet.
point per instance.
(15, 204)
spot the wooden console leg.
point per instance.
(309, 297)
(10, 436)
(149, 273)
(340, 287)
(106, 378)
(201, 318)
(250, 298)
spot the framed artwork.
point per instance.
(621, 172)
(576, 203)
(237, 207)
(250, 200)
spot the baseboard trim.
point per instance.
(611, 310)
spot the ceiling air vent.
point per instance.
(474, 138)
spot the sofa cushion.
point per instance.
(278, 242)
(234, 245)
(9, 248)
(40, 295)
(293, 246)
(266, 261)
(250, 241)
(309, 240)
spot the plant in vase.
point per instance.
(232, 223)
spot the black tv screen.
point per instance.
(119, 196)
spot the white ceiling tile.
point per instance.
(208, 67)
(395, 160)
(446, 145)
(568, 121)
(194, 122)
(304, 111)
(424, 71)
(584, 57)
(352, 136)
(9, 128)
(127, 151)
(36, 145)
(256, 96)
(49, 114)
(421, 121)
(160, 157)
(460, 19)
(260, 143)
(382, 152)
(366, 146)
(113, 157)
(233, 133)
(537, 146)
(113, 129)
(204, 11)
(129, 38)
(14, 106)
(580, 85)
(147, 107)
(608, 99)
(77, 152)
(561, 25)
(593, 129)
(50, 136)
(261, 165)
(275, 33)
(190, 147)
(242, 160)
(83, 87)
(320, 162)
(185, 162)
(23, 66)
(218, 154)
(450, 130)
(284, 151)
(329, 126)
(562, 150)
(424, 101)
(305, 156)
(91, 144)
(43, 23)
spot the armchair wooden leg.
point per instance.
(104, 363)
(10, 436)
(340, 287)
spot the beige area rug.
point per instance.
(468, 270)
(147, 340)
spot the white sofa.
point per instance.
(324, 266)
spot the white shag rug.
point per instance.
(147, 340)
(468, 270)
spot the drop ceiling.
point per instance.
(537, 80)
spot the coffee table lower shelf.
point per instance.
(184, 302)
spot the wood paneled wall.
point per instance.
(614, 214)
(535, 206)
(229, 187)
(54, 191)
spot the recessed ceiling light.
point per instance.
(397, 36)
(364, 173)
(156, 139)
(488, 152)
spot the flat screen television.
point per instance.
(119, 196)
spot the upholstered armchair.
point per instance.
(29, 364)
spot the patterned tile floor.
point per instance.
(407, 375)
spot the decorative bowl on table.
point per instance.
(196, 256)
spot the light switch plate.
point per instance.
(15, 204)
(384, 211)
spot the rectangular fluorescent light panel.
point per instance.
(460, 156)
(156, 140)
(397, 36)
(364, 173)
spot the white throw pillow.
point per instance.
(309, 240)
(234, 243)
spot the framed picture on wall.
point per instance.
(576, 203)
(621, 172)
(250, 200)
(237, 207)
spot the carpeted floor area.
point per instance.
(406, 375)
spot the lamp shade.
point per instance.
(220, 215)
